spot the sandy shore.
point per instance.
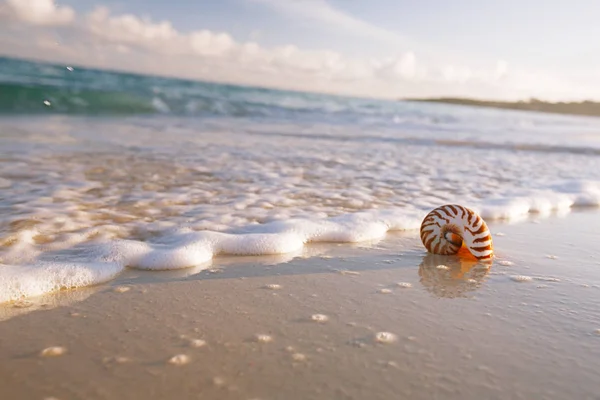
(316, 328)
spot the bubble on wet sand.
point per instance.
(214, 270)
(263, 338)
(404, 285)
(552, 257)
(23, 304)
(500, 234)
(443, 267)
(506, 263)
(384, 291)
(521, 278)
(298, 357)
(179, 359)
(53, 351)
(273, 286)
(218, 381)
(121, 289)
(197, 343)
(321, 318)
(385, 337)
(346, 272)
(546, 279)
(116, 360)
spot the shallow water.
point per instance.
(83, 197)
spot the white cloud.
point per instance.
(219, 47)
(128, 28)
(403, 68)
(36, 12)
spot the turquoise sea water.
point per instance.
(25, 87)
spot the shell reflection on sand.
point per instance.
(461, 277)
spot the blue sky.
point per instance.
(438, 47)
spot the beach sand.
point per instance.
(378, 320)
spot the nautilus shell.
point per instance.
(447, 228)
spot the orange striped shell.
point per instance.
(445, 229)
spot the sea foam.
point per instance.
(187, 249)
(86, 198)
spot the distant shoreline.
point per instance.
(586, 108)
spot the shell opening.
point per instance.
(453, 238)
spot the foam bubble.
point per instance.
(506, 263)
(521, 278)
(385, 337)
(179, 359)
(53, 351)
(219, 381)
(23, 304)
(404, 285)
(321, 318)
(273, 286)
(298, 357)
(546, 278)
(263, 338)
(541, 286)
(117, 360)
(197, 343)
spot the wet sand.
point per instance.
(253, 328)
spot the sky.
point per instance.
(487, 49)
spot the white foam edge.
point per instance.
(103, 261)
(542, 203)
(190, 248)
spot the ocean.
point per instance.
(101, 171)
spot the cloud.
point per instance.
(129, 42)
(329, 16)
(216, 47)
(36, 12)
(403, 68)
